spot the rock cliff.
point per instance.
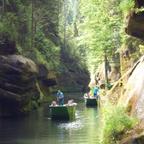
(18, 90)
(17, 84)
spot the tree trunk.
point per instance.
(106, 68)
(65, 23)
(32, 25)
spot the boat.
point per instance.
(91, 101)
(64, 112)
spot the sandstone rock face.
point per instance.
(133, 92)
(47, 81)
(72, 77)
(17, 85)
(47, 78)
(73, 80)
(112, 71)
(133, 96)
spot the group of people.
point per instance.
(94, 92)
(60, 100)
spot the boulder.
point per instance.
(17, 85)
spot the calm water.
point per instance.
(39, 129)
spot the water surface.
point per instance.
(39, 129)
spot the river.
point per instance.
(38, 128)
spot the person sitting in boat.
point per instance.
(60, 97)
(96, 91)
(87, 95)
(53, 103)
(71, 103)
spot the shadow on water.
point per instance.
(38, 128)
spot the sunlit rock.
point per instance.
(133, 96)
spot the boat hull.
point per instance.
(62, 112)
(91, 102)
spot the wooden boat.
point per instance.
(65, 112)
(91, 102)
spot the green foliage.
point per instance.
(99, 28)
(46, 52)
(92, 27)
(116, 123)
(30, 24)
(7, 25)
(139, 10)
(127, 5)
(15, 20)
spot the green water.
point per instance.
(39, 129)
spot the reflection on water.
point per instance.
(39, 129)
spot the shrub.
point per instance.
(116, 123)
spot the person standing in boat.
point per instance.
(96, 92)
(60, 97)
